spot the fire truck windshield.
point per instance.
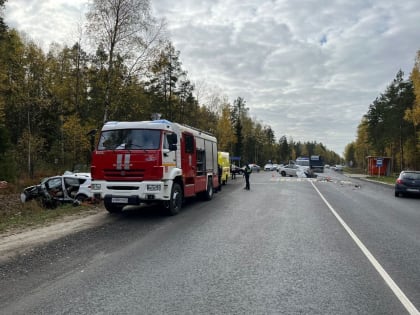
(129, 139)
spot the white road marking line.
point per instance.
(393, 286)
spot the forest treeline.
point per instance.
(51, 101)
(390, 126)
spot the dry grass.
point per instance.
(16, 216)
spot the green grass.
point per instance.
(352, 170)
(383, 179)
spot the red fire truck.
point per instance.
(153, 161)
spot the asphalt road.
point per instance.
(287, 246)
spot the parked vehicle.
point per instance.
(303, 161)
(153, 162)
(268, 167)
(224, 161)
(288, 170)
(407, 183)
(52, 191)
(316, 163)
(255, 167)
(236, 170)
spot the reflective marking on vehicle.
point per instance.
(127, 161)
(119, 161)
(388, 280)
(168, 164)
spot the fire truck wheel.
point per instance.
(208, 194)
(174, 205)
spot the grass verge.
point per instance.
(31, 215)
(383, 179)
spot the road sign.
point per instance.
(379, 162)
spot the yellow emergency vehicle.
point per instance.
(224, 161)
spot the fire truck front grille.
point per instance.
(114, 174)
(123, 187)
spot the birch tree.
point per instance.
(126, 30)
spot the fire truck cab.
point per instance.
(153, 161)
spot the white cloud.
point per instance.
(47, 21)
(307, 68)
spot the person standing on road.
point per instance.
(247, 172)
(232, 172)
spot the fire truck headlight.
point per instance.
(153, 187)
(96, 187)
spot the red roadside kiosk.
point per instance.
(379, 165)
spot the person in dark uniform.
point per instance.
(247, 173)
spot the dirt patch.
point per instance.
(18, 239)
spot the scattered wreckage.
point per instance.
(73, 188)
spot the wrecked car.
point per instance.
(53, 191)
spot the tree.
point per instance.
(238, 113)
(224, 133)
(125, 29)
(258, 142)
(362, 145)
(284, 149)
(166, 72)
(75, 140)
(413, 114)
(387, 129)
(30, 151)
(3, 26)
(349, 153)
(187, 103)
(3, 74)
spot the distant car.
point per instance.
(407, 183)
(288, 170)
(53, 191)
(255, 167)
(303, 162)
(338, 168)
(235, 170)
(268, 167)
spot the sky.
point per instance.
(309, 69)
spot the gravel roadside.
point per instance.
(19, 240)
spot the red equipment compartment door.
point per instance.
(188, 163)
